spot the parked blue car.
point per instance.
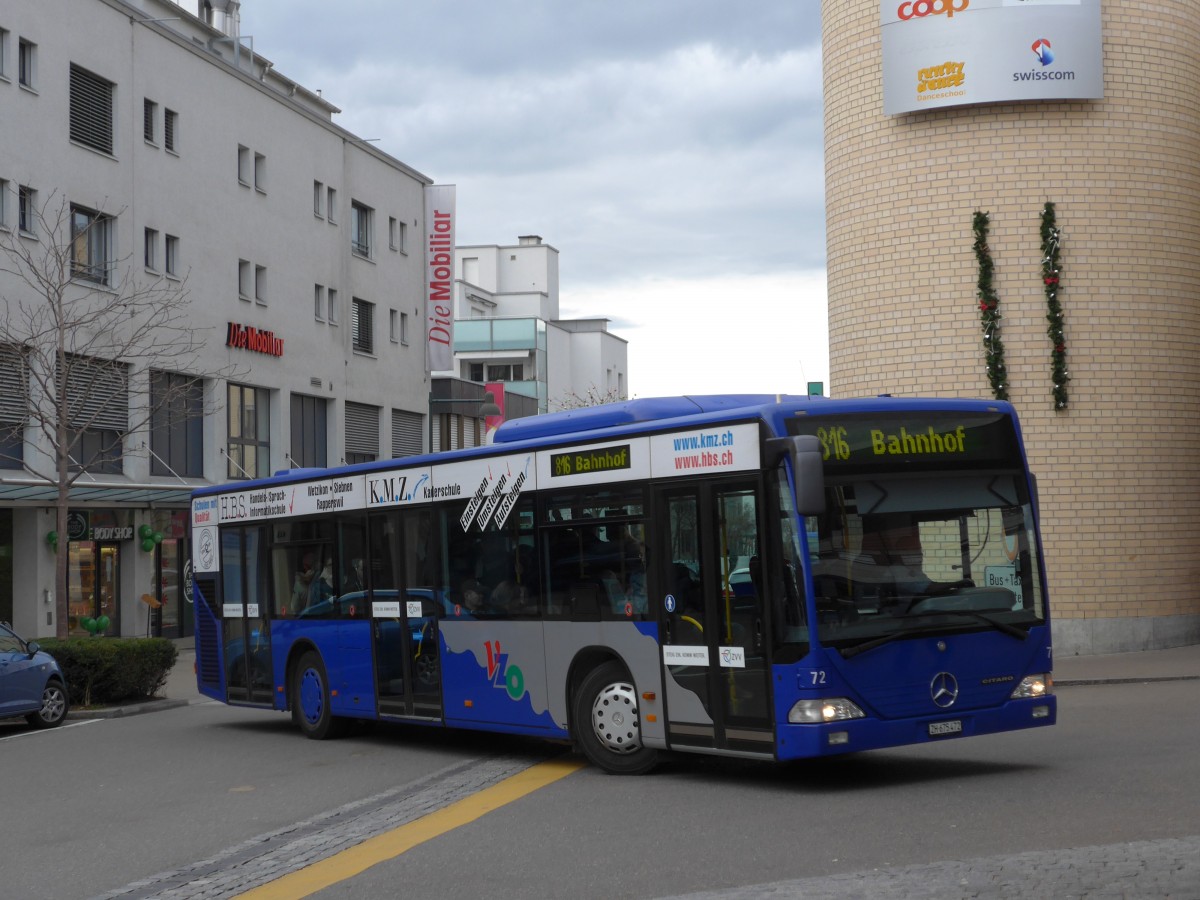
(31, 683)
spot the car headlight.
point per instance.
(833, 709)
(1033, 686)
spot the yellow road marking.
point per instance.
(390, 844)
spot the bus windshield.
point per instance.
(896, 556)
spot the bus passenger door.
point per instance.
(712, 611)
(405, 612)
(245, 603)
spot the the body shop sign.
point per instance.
(957, 52)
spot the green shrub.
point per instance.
(101, 671)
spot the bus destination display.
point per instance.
(933, 440)
(578, 462)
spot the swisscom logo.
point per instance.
(1045, 56)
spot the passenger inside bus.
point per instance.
(517, 595)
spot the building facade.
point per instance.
(177, 159)
(1118, 463)
(507, 330)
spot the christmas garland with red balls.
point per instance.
(1051, 278)
(989, 310)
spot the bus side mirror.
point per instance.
(808, 470)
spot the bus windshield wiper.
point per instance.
(1003, 627)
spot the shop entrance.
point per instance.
(93, 588)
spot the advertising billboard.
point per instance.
(439, 277)
(940, 53)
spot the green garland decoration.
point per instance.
(1051, 278)
(989, 310)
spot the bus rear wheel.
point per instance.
(608, 722)
(310, 700)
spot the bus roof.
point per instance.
(623, 417)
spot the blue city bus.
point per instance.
(760, 576)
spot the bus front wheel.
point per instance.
(310, 700)
(608, 722)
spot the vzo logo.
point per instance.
(501, 674)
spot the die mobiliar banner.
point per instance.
(439, 277)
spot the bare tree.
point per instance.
(82, 336)
(592, 397)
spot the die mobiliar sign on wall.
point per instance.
(257, 340)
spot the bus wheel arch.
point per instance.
(606, 716)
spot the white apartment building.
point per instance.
(195, 165)
(507, 329)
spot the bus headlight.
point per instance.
(814, 712)
(1033, 686)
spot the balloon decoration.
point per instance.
(150, 538)
(95, 626)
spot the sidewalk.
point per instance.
(1174, 664)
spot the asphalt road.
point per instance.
(207, 801)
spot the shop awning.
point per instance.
(25, 492)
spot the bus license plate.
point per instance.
(939, 728)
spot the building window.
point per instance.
(260, 173)
(331, 206)
(310, 432)
(480, 372)
(91, 245)
(260, 285)
(408, 433)
(26, 208)
(176, 425)
(97, 413)
(150, 252)
(91, 117)
(149, 113)
(333, 307)
(249, 450)
(318, 199)
(4, 51)
(319, 302)
(244, 279)
(360, 228)
(14, 409)
(4, 204)
(243, 165)
(398, 327)
(362, 433)
(170, 129)
(97, 450)
(362, 326)
(171, 257)
(26, 63)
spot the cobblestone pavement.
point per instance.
(1142, 870)
(270, 856)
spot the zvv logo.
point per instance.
(501, 674)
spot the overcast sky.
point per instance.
(671, 151)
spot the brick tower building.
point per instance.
(1119, 464)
